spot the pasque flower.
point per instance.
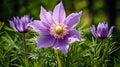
(20, 24)
(102, 31)
(56, 29)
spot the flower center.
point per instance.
(58, 30)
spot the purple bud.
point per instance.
(20, 24)
(102, 31)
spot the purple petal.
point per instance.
(16, 21)
(106, 26)
(93, 30)
(18, 24)
(110, 31)
(73, 36)
(64, 49)
(99, 27)
(102, 30)
(39, 27)
(13, 25)
(73, 19)
(45, 41)
(21, 25)
(62, 44)
(59, 14)
(45, 16)
(25, 19)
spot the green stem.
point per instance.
(99, 45)
(58, 59)
(25, 46)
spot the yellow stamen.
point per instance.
(58, 29)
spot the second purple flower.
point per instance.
(20, 24)
(102, 31)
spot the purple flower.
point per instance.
(102, 31)
(56, 29)
(20, 24)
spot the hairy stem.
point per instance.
(25, 46)
(58, 59)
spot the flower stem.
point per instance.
(58, 59)
(25, 46)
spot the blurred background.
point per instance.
(94, 11)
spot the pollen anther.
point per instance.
(58, 30)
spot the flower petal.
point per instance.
(99, 28)
(20, 24)
(25, 19)
(39, 27)
(45, 41)
(59, 14)
(106, 26)
(13, 25)
(93, 30)
(62, 44)
(64, 49)
(110, 31)
(73, 19)
(46, 16)
(17, 23)
(102, 30)
(73, 36)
